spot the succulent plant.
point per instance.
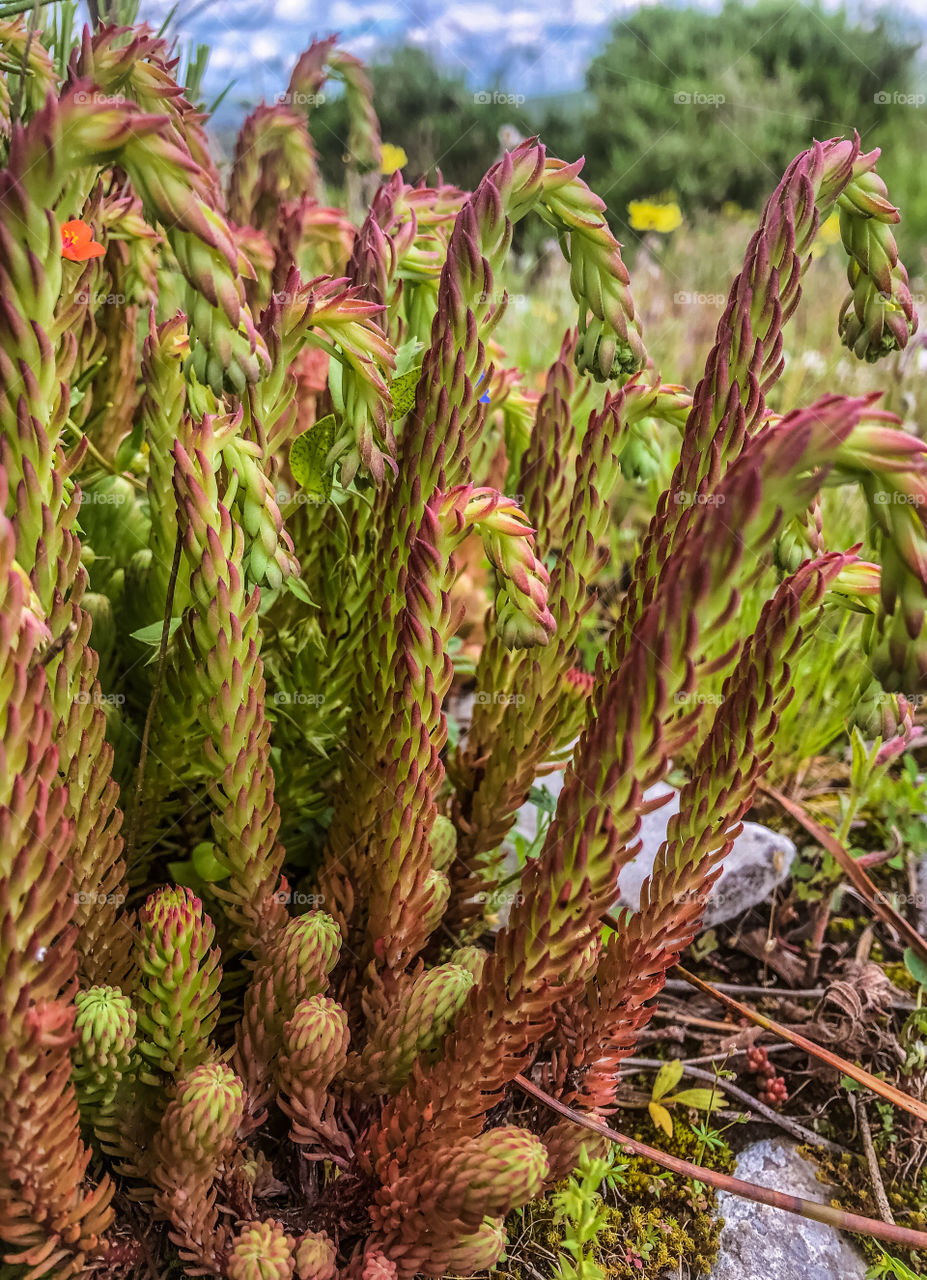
(261, 1251)
(104, 1054)
(234, 523)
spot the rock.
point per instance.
(761, 1243)
(758, 863)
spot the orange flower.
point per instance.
(77, 242)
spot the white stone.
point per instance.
(762, 1243)
(757, 864)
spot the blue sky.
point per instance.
(525, 46)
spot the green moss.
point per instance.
(908, 1203)
(839, 927)
(652, 1217)
(899, 976)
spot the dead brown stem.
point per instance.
(875, 1173)
(838, 1218)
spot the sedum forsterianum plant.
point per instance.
(246, 882)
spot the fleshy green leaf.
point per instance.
(308, 454)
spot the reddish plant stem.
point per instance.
(723, 1182)
(854, 873)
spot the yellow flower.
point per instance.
(828, 234)
(648, 216)
(392, 158)
(830, 229)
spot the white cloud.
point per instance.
(344, 16)
(265, 46)
(362, 46)
(478, 19)
(224, 59)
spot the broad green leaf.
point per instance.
(916, 967)
(152, 633)
(668, 1077)
(206, 864)
(185, 873)
(308, 454)
(661, 1118)
(703, 1099)
(402, 392)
